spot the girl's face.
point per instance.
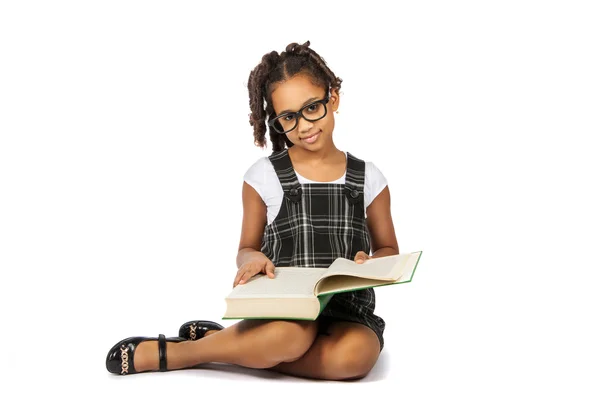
(296, 93)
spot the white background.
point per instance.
(124, 138)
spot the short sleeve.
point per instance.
(375, 182)
(255, 176)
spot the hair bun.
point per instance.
(271, 59)
(298, 49)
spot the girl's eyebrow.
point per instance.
(303, 104)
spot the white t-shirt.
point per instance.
(263, 178)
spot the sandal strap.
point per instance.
(162, 352)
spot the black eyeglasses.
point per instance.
(286, 122)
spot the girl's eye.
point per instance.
(312, 107)
(288, 118)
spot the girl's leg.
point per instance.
(249, 343)
(349, 352)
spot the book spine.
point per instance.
(323, 301)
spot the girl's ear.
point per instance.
(334, 99)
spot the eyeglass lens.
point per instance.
(311, 112)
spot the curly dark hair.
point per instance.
(276, 68)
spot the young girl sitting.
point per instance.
(306, 204)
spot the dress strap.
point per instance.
(355, 179)
(286, 174)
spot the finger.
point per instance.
(247, 275)
(360, 257)
(239, 276)
(270, 270)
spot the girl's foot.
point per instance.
(194, 330)
(140, 354)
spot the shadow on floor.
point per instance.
(229, 371)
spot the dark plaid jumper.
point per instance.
(317, 223)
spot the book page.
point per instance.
(345, 274)
(383, 268)
(272, 308)
(289, 282)
(340, 283)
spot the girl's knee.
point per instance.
(291, 339)
(352, 361)
(353, 356)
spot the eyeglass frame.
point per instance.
(299, 113)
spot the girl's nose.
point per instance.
(304, 126)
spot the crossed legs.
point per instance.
(290, 347)
(349, 352)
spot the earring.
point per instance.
(337, 112)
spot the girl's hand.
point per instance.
(259, 264)
(361, 257)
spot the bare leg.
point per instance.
(254, 344)
(350, 352)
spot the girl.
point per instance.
(305, 205)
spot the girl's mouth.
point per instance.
(311, 139)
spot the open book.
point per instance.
(301, 293)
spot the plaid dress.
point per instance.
(317, 223)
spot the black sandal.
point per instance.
(120, 357)
(194, 330)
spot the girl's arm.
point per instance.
(381, 226)
(253, 225)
